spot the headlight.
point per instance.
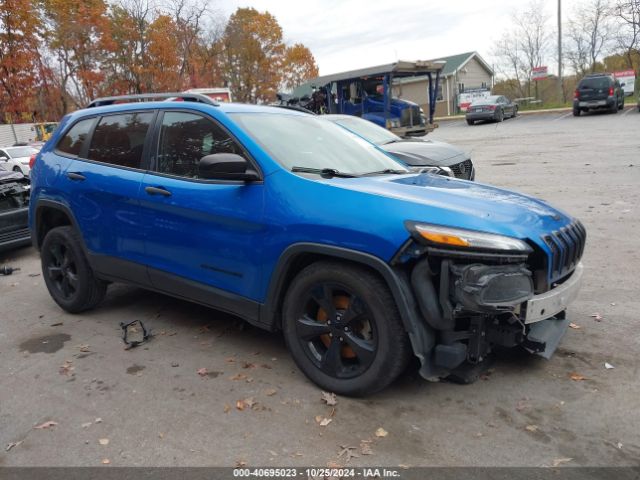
(441, 236)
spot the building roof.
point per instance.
(453, 65)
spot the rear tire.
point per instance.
(343, 329)
(500, 117)
(621, 104)
(576, 112)
(471, 122)
(66, 271)
(614, 108)
(17, 169)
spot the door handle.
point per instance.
(76, 176)
(157, 191)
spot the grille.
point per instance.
(462, 169)
(410, 117)
(567, 247)
(15, 235)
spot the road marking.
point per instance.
(562, 116)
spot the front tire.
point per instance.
(471, 122)
(343, 329)
(66, 271)
(500, 116)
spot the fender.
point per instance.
(57, 206)
(421, 335)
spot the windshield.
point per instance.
(485, 100)
(595, 83)
(367, 130)
(311, 142)
(16, 152)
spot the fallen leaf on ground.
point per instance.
(596, 316)
(48, 424)
(531, 428)
(161, 435)
(365, 447)
(247, 402)
(241, 463)
(103, 441)
(329, 398)
(84, 348)
(106, 461)
(348, 452)
(227, 408)
(203, 371)
(248, 365)
(576, 376)
(381, 432)
(97, 420)
(322, 421)
(608, 366)
(66, 368)
(238, 376)
(230, 360)
(560, 461)
(15, 444)
(270, 392)
(574, 326)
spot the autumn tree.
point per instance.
(19, 25)
(299, 66)
(589, 35)
(253, 55)
(78, 37)
(627, 12)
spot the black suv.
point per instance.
(598, 91)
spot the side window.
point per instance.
(119, 139)
(187, 137)
(73, 140)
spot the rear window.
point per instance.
(596, 82)
(119, 139)
(73, 140)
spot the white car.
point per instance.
(17, 158)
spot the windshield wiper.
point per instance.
(324, 172)
(387, 171)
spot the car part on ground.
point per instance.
(419, 152)
(598, 91)
(14, 209)
(494, 108)
(318, 233)
(7, 270)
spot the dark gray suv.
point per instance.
(598, 91)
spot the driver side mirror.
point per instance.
(226, 166)
(4, 158)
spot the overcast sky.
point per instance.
(348, 34)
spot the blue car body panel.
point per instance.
(232, 235)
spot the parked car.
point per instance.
(494, 107)
(14, 208)
(418, 152)
(17, 158)
(598, 91)
(298, 225)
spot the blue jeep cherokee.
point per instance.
(296, 224)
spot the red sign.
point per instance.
(539, 73)
(624, 73)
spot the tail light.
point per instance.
(492, 107)
(611, 91)
(32, 160)
(576, 94)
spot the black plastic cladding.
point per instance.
(567, 247)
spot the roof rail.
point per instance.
(191, 97)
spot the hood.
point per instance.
(421, 153)
(459, 203)
(6, 177)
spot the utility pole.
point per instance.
(560, 89)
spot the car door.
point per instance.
(103, 183)
(201, 234)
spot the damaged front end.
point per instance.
(477, 291)
(14, 207)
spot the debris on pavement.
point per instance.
(381, 432)
(596, 316)
(270, 392)
(329, 398)
(59, 324)
(323, 421)
(247, 402)
(347, 452)
(203, 372)
(7, 270)
(608, 366)
(67, 368)
(103, 441)
(45, 425)
(11, 445)
(531, 428)
(365, 447)
(128, 328)
(559, 461)
(576, 377)
(87, 424)
(106, 461)
(574, 326)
